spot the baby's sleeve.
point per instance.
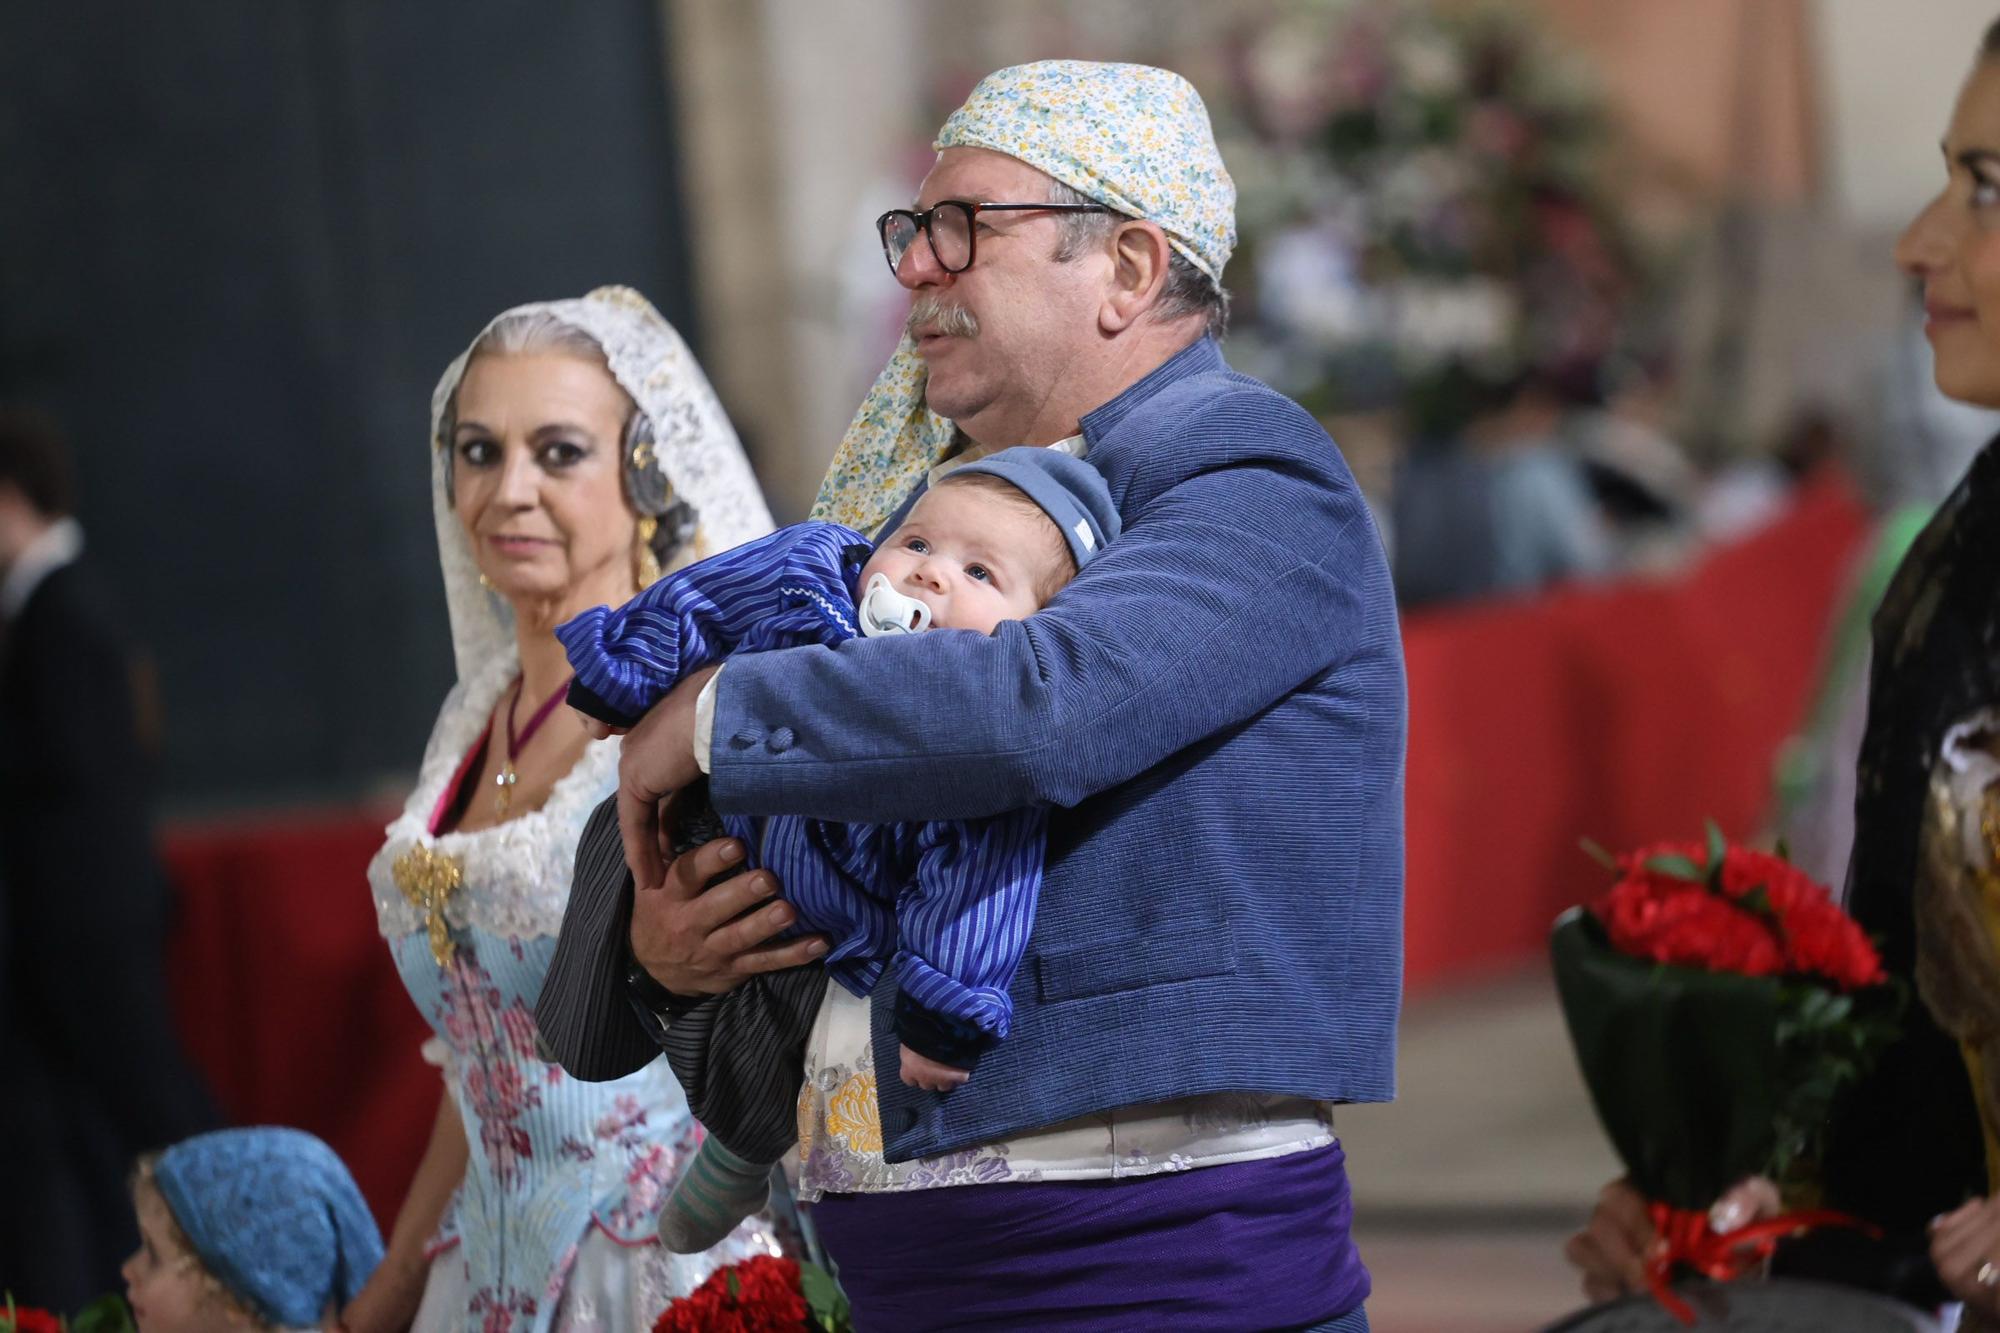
(626, 659)
(964, 922)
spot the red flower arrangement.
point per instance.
(1747, 912)
(106, 1314)
(1719, 1001)
(761, 1295)
(27, 1319)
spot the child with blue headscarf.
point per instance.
(254, 1228)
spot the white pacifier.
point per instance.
(883, 610)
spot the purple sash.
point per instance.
(1254, 1245)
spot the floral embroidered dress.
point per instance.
(554, 1225)
(555, 1164)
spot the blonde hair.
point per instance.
(212, 1286)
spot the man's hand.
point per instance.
(656, 760)
(697, 941)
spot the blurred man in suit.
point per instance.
(93, 1070)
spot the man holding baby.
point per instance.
(1211, 714)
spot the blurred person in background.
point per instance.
(1503, 510)
(1638, 471)
(94, 1073)
(576, 451)
(1914, 1148)
(1751, 492)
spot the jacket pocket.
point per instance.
(1135, 962)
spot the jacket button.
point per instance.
(743, 740)
(781, 740)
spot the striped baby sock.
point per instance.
(718, 1190)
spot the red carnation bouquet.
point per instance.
(106, 1314)
(761, 1295)
(1719, 1001)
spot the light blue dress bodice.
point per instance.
(552, 1160)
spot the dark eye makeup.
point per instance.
(481, 451)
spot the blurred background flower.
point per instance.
(1432, 225)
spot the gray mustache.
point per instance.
(954, 321)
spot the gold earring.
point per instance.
(486, 583)
(646, 564)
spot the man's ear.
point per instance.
(1140, 254)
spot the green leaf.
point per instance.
(825, 1299)
(1784, 851)
(106, 1314)
(1596, 852)
(1675, 866)
(1718, 850)
(1757, 900)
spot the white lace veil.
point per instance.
(694, 453)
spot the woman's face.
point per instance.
(538, 476)
(1954, 247)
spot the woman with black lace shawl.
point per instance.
(1913, 1148)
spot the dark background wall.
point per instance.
(239, 240)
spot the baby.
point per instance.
(247, 1228)
(951, 902)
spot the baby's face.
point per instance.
(162, 1282)
(973, 557)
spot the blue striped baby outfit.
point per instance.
(952, 902)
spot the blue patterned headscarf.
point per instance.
(275, 1216)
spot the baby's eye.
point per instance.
(478, 452)
(917, 544)
(979, 573)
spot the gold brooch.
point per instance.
(428, 878)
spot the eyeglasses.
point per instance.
(948, 226)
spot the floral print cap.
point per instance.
(1130, 136)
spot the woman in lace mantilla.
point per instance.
(576, 450)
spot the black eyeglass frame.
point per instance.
(923, 220)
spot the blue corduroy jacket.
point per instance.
(1213, 711)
